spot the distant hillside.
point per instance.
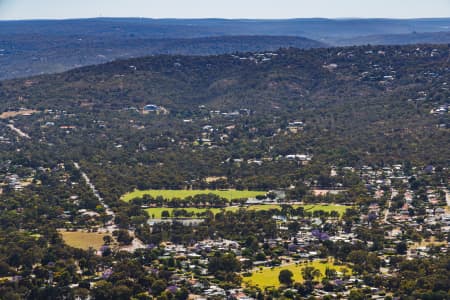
(193, 28)
(400, 39)
(49, 46)
(26, 55)
(373, 102)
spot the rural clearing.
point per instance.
(82, 239)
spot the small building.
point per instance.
(151, 108)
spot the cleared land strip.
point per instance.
(12, 114)
(18, 131)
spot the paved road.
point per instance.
(394, 193)
(108, 210)
(111, 226)
(447, 198)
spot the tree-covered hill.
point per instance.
(442, 37)
(359, 105)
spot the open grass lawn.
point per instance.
(268, 277)
(327, 208)
(309, 207)
(82, 239)
(155, 212)
(170, 194)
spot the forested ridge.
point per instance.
(359, 104)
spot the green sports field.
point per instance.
(327, 208)
(268, 277)
(155, 212)
(170, 194)
(308, 207)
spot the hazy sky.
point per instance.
(272, 9)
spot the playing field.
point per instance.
(327, 208)
(82, 239)
(155, 212)
(308, 207)
(268, 277)
(170, 194)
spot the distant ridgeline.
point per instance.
(48, 46)
(27, 55)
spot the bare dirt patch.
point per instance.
(12, 114)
